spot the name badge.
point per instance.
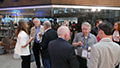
(84, 53)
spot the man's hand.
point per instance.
(80, 43)
(40, 34)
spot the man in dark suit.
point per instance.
(95, 29)
(49, 35)
(62, 53)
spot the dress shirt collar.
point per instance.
(47, 29)
(106, 40)
(38, 27)
(88, 35)
(62, 38)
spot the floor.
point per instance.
(7, 61)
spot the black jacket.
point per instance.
(94, 31)
(46, 38)
(62, 54)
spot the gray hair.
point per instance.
(87, 24)
(47, 24)
(36, 19)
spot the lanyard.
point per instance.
(36, 36)
(84, 41)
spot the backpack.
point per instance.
(2, 50)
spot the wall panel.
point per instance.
(115, 3)
(9, 3)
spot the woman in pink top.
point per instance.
(98, 38)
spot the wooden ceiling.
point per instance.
(10, 3)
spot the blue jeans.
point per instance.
(46, 63)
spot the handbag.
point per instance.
(16, 56)
(32, 58)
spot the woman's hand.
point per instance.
(23, 46)
(118, 36)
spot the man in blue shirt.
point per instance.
(36, 33)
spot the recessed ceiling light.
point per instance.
(93, 10)
(99, 9)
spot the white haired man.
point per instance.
(36, 33)
(84, 40)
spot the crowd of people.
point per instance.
(97, 47)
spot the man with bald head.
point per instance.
(49, 35)
(62, 53)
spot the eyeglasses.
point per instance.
(84, 29)
(115, 25)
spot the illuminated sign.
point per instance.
(65, 10)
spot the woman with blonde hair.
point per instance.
(22, 46)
